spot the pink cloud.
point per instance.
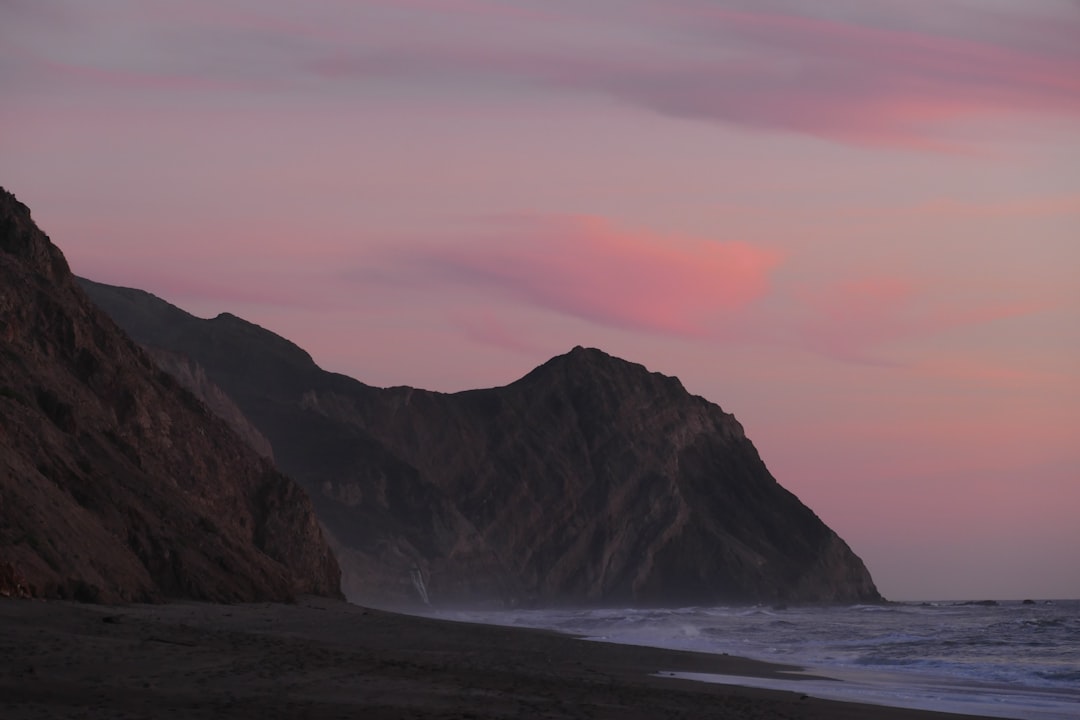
(630, 279)
(481, 8)
(125, 79)
(853, 319)
(855, 82)
(836, 79)
(963, 370)
(1028, 207)
(852, 316)
(884, 76)
(487, 328)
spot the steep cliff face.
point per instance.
(391, 528)
(116, 484)
(193, 377)
(600, 481)
(589, 480)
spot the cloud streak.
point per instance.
(853, 320)
(882, 77)
(587, 268)
(635, 280)
(766, 70)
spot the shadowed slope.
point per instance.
(589, 480)
(117, 484)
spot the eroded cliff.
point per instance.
(117, 484)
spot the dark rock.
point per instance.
(590, 480)
(192, 376)
(12, 582)
(116, 484)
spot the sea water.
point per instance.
(1008, 659)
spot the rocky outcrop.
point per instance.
(599, 481)
(590, 480)
(193, 377)
(116, 483)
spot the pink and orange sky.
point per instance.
(855, 225)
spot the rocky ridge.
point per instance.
(116, 483)
(590, 480)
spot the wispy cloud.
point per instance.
(487, 328)
(857, 319)
(587, 268)
(884, 76)
(1059, 205)
(617, 277)
(889, 83)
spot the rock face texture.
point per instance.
(117, 484)
(192, 376)
(590, 480)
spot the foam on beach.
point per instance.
(994, 659)
(917, 692)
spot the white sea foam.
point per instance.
(919, 692)
(1006, 660)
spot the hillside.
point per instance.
(116, 484)
(590, 480)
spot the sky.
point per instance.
(854, 225)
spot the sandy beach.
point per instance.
(326, 659)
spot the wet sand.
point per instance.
(325, 659)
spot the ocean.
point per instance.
(1007, 659)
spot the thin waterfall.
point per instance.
(418, 583)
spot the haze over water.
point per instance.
(851, 224)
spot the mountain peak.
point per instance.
(20, 237)
(587, 364)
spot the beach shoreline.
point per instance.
(328, 659)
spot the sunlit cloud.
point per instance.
(591, 269)
(588, 268)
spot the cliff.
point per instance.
(116, 483)
(590, 480)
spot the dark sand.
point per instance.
(326, 659)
